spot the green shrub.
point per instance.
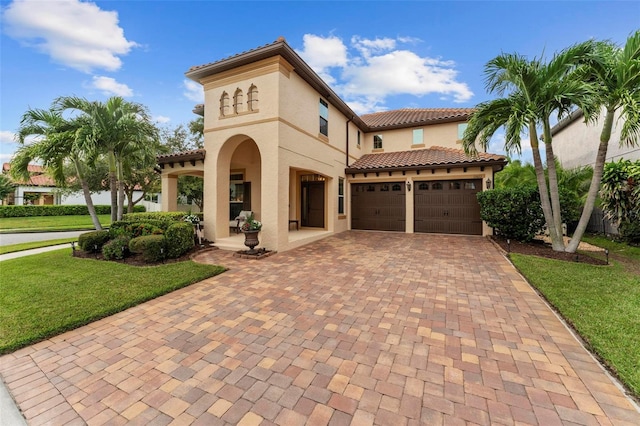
(93, 241)
(148, 227)
(160, 219)
(630, 231)
(151, 247)
(179, 239)
(514, 212)
(57, 210)
(118, 248)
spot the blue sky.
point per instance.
(377, 55)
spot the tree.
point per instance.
(6, 187)
(119, 129)
(620, 195)
(534, 90)
(615, 73)
(60, 140)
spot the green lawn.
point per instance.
(51, 223)
(34, 244)
(46, 294)
(601, 302)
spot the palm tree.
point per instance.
(616, 74)
(120, 128)
(60, 140)
(6, 186)
(534, 90)
(516, 174)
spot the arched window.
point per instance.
(252, 98)
(237, 101)
(224, 104)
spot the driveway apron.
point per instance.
(359, 328)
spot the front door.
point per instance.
(313, 204)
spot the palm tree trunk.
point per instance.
(553, 188)
(113, 186)
(120, 191)
(542, 189)
(598, 169)
(87, 195)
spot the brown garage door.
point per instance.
(378, 206)
(448, 207)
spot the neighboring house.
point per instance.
(576, 143)
(281, 143)
(40, 189)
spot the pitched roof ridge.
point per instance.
(280, 40)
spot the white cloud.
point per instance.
(7, 136)
(109, 86)
(74, 33)
(5, 158)
(374, 69)
(194, 91)
(161, 119)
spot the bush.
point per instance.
(150, 246)
(58, 210)
(630, 231)
(160, 219)
(117, 248)
(514, 212)
(179, 239)
(93, 241)
(124, 227)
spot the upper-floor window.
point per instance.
(340, 195)
(358, 141)
(461, 128)
(252, 98)
(237, 101)
(418, 136)
(224, 104)
(324, 118)
(377, 142)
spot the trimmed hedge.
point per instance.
(151, 246)
(179, 239)
(93, 241)
(57, 210)
(514, 212)
(118, 248)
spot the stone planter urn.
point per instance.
(251, 240)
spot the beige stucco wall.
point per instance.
(577, 144)
(444, 134)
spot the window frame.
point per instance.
(323, 107)
(377, 141)
(420, 139)
(341, 208)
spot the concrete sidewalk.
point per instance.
(23, 253)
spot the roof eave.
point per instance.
(419, 123)
(478, 163)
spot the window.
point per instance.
(396, 187)
(377, 142)
(237, 101)
(358, 141)
(324, 118)
(340, 195)
(252, 98)
(418, 136)
(224, 104)
(461, 128)
(423, 187)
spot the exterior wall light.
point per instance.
(488, 183)
(408, 186)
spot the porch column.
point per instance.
(169, 193)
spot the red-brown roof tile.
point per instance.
(414, 116)
(422, 158)
(194, 154)
(31, 168)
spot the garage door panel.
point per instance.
(447, 207)
(378, 206)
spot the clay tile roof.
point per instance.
(39, 180)
(412, 116)
(31, 168)
(280, 40)
(194, 154)
(421, 158)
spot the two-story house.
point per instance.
(281, 143)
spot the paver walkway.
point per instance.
(367, 328)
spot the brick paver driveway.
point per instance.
(367, 328)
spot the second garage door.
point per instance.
(378, 206)
(448, 206)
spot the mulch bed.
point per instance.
(137, 260)
(543, 249)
